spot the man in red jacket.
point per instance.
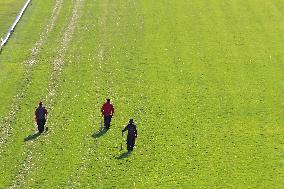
(107, 111)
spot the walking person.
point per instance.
(107, 111)
(132, 134)
(40, 116)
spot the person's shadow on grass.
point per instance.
(124, 155)
(99, 133)
(32, 137)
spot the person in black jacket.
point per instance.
(40, 117)
(132, 134)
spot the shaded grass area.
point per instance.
(202, 79)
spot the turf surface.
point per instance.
(202, 79)
(9, 9)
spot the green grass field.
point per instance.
(203, 80)
(9, 9)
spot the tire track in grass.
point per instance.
(6, 123)
(58, 63)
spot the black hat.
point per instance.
(131, 120)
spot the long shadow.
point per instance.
(123, 155)
(98, 134)
(32, 137)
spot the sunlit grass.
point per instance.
(202, 80)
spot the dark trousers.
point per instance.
(107, 120)
(40, 125)
(130, 142)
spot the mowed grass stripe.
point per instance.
(239, 81)
(58, 65)
(119, 75)
(242, 90)
(76, 125)
(18, 152)
(56, 130)
(169, 84)
(243, 159)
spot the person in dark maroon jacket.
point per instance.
(107, 111)
(132, 134)
(40, 116)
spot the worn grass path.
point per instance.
(202, 79)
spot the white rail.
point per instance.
(9, 33)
